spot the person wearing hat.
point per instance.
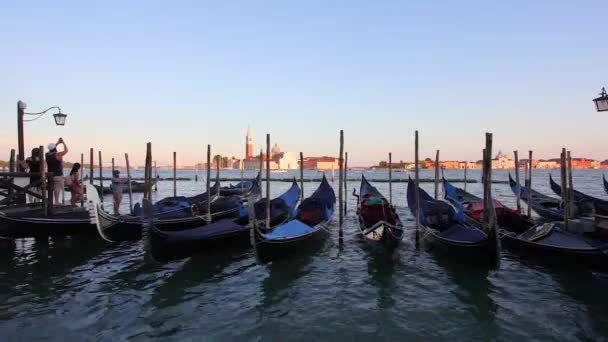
(117, 183)
(54, 162)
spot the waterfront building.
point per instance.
(449, 164)
(501, 161)
(547, 164)
(286, 160)
(322, 163)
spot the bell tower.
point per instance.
(249, 144)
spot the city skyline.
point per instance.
(189, 74)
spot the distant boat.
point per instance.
(278, 171)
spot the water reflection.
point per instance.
(474, 290)
(182, 278)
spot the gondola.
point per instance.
(582, 200)
(30, 221)
(521, 234)
(136, 187)
(172, 245)
(307, 228)
(378, 221)
(241, 188)
(545, 206)
(444, 227)
(172, 213)
(605, 183)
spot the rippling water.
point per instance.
(86, 289)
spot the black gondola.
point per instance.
(444, 227)
(241, 188)
(545, 206)
(521, 234)
(172, 213)
(308, 227)
(136, 187)
(605, 183)
(582, 200)
(30, 221)
(378, 221)
(172, 245)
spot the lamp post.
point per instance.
(21, 106)
(601, 103)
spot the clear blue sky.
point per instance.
(184, 74)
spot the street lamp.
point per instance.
(21, 106)
(601, 103)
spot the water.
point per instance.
(82, 288)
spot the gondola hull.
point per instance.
(582, 200)
(596, 258)
(455, 238)
(129, 228)
(27, 222)
(545, 206)
(171, 245)
(555, 245)
(271, 250)
(380, 228)
(307, 230)
(482, 251)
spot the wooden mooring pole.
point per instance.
(341, 184)
(437, 175)
(218, 160)
(345, 179)
(261, 163)
(417, 189)
(44, 180)
(156, 176)
(529, 184)
(81, 177)
(148, 193)
(301, 177)
(466, 167)
(11, 168)
(100, 178)
(564, 184)
(91, 166)
(267, 181)
(209, 183)
(390, 178)
(570, 186)
(129, 184)
(518, 194)
(174, 174)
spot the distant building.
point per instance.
(467, 165)
(286, 161)
(275, 151)
(249, 144)
(547, 164)
(582, 163)
(449, 164)
(501, 161)
(321, 163)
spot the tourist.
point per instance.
(32, 165)
(117, 183)
(75, 183)
(54, 162)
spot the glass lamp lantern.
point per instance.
(60, 118)
(601, 103)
